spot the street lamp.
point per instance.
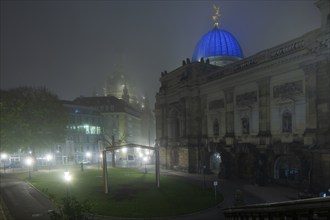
(3, 159)
(88, 155)
(124, 154)
(99, 160)
(204, 184)
(29, 162)
(67, 179)
(141, 158)
(49, 157)
(145, 159)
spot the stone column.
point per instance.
(229, 107)
(324, 7)
(323, 101)
(264, 111)
(311, 102)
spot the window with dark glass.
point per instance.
(287, 122)
(245, 126)
(215, 127)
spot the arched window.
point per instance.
(215, 127)
(287, 167)
(287, 122)
(215, 160)
(173, 125)
(245, 125)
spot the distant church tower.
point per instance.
(119, 85)
(125, 95)
(148, 127)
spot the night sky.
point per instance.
(71, 47)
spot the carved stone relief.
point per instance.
(216, 104)
(288, 90)
(289, 48)
(246, 99)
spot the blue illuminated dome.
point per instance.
(219, 46)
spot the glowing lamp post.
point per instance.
(88, 155)
(67, 179)
(141, 158)
(99, 161)
(4, 156)
(204, 184)
(29, 162)
(145, 159)
(49, 157)
(124, 153)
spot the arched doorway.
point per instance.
(215, 160)
(287, 168)
(173, 124)
(174, 158)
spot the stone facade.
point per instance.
(267, 115)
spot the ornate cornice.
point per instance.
(273, 56)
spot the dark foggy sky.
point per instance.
(70, 47)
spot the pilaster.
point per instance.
(311, 102)
(264, 111)
(229, 107)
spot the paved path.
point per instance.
(23, 201)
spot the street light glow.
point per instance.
(4, 156)
(67, 176)
(49, 157)
(88, 154)
(29, 161)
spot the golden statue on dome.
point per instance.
(216, 16)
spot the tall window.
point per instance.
(245, 125)
(287, 122)
(215, 127)
(173, 125)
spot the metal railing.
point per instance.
(311, 209)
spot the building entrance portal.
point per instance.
(286, 168)
(215, 160)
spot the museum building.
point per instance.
(263, 118)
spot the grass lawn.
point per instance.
(131, 193)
